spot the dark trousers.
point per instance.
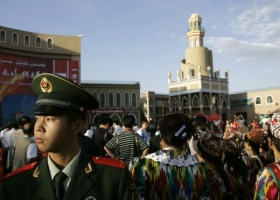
(4, 161)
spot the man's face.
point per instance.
(107, 127)
(145, 126)
(53, 133)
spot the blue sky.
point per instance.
(143, 40)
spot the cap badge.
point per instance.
(46, 85)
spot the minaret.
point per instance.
(197, 57)
(196, 32)
(198, 82)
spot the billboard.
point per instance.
(17, 73)
(239, 103)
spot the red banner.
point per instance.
(60, 67)
(17, 73)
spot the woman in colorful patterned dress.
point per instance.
(268, 183)
(239, 165)
(257, 145)
(210, 151)
(172, 173)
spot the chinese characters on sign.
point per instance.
(17, 72)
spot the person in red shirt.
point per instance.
(234, 125)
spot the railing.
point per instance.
(255, 90)
(120, 82)
(202, 78)
(161, 104)
(196, 28)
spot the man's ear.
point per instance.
(80, 127)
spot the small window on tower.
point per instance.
(193, 72)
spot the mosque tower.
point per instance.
(198, 88)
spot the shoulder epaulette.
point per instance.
(109, 161)
(22, 169)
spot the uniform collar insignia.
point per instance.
(88, 169)
(46, 85)
(36, 173)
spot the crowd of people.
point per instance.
(18, 145)
(178, 158)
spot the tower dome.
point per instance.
(195, 17)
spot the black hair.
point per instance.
(106, 120)
(128, 121)
(9, 126)
(176, 129)
(235, 165)
(199, 121)
(28, 128)
(15, 125)
(117, 122)
(256, 147)
(22, 120)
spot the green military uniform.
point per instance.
(101, 178)
(93, 177)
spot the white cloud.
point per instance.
(244, 50)
(261, 24)
(259, 28)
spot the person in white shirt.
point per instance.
(117, 128)
(135, 127)
(143, 131)
(2, 133)
(89, 132)
(6, 147)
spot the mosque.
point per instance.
(200, 88)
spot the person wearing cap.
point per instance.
(268, 184)
(257, 145)
(172, 173)
(67, 172)
(210, 149)
(238, 164)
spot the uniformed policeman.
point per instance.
(67, 172)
